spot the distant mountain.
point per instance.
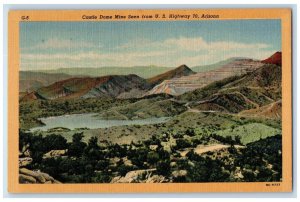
(88, 87)
(142, 71)
(30, 81)
(275, 59)
(146, 71)
(205, 68)
(180, 71)
(178, 86)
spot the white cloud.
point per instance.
(171, 52)
(55, 43)
(190, 44)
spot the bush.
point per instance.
(55, 142)
(124, 169)
(152, 157)
(182, 144)
(163, 168)
(190, 132)
(102, 164)
(77, 147)
(102, 177)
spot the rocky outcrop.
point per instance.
(25, 161)
(178, 72)
(140, 176)
(179, 173)
(27, 176)
(55, 153)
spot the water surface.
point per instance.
(91, 121)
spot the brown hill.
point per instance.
(228, 102)
(267, 77)
(180, 71)
(26, 97)
(272, 110)
(87, 87)
(275, 59)
(31, 81)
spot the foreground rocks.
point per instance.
(27, 176)
(138, 176)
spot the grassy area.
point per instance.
(250, 132)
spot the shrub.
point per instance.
(124, 169)
(182, 143)
(152, 157)
(77, 147)
(163, 168)
(55, 142)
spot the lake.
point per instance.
(91, 121)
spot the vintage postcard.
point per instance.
(127, 101)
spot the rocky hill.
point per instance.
(186, 83)
(180, 71)
(89, 87)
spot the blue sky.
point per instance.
(51, 45)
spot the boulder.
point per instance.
(173, 164)
(55, 153)
(179, 173)
(127, 162)
(25, 179)
(153, 147)
(27, 176)
(134, 176)
(24, 161)
(36, 175)
(156, 179)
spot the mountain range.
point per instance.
(245, 82)
(33, 80)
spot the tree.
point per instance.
(190, 132)
(102, 164)
(55, 142)
(152, 157)
(102, 177)
(92, 150)
(124, 169)
(77, 147)
(182, 143)
(163, 167)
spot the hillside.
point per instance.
(88, 87)
(180, 71)
(31, 81)
(183, 84)
(227, 102)
(157, 106)
(255, 93)
(273, 110)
